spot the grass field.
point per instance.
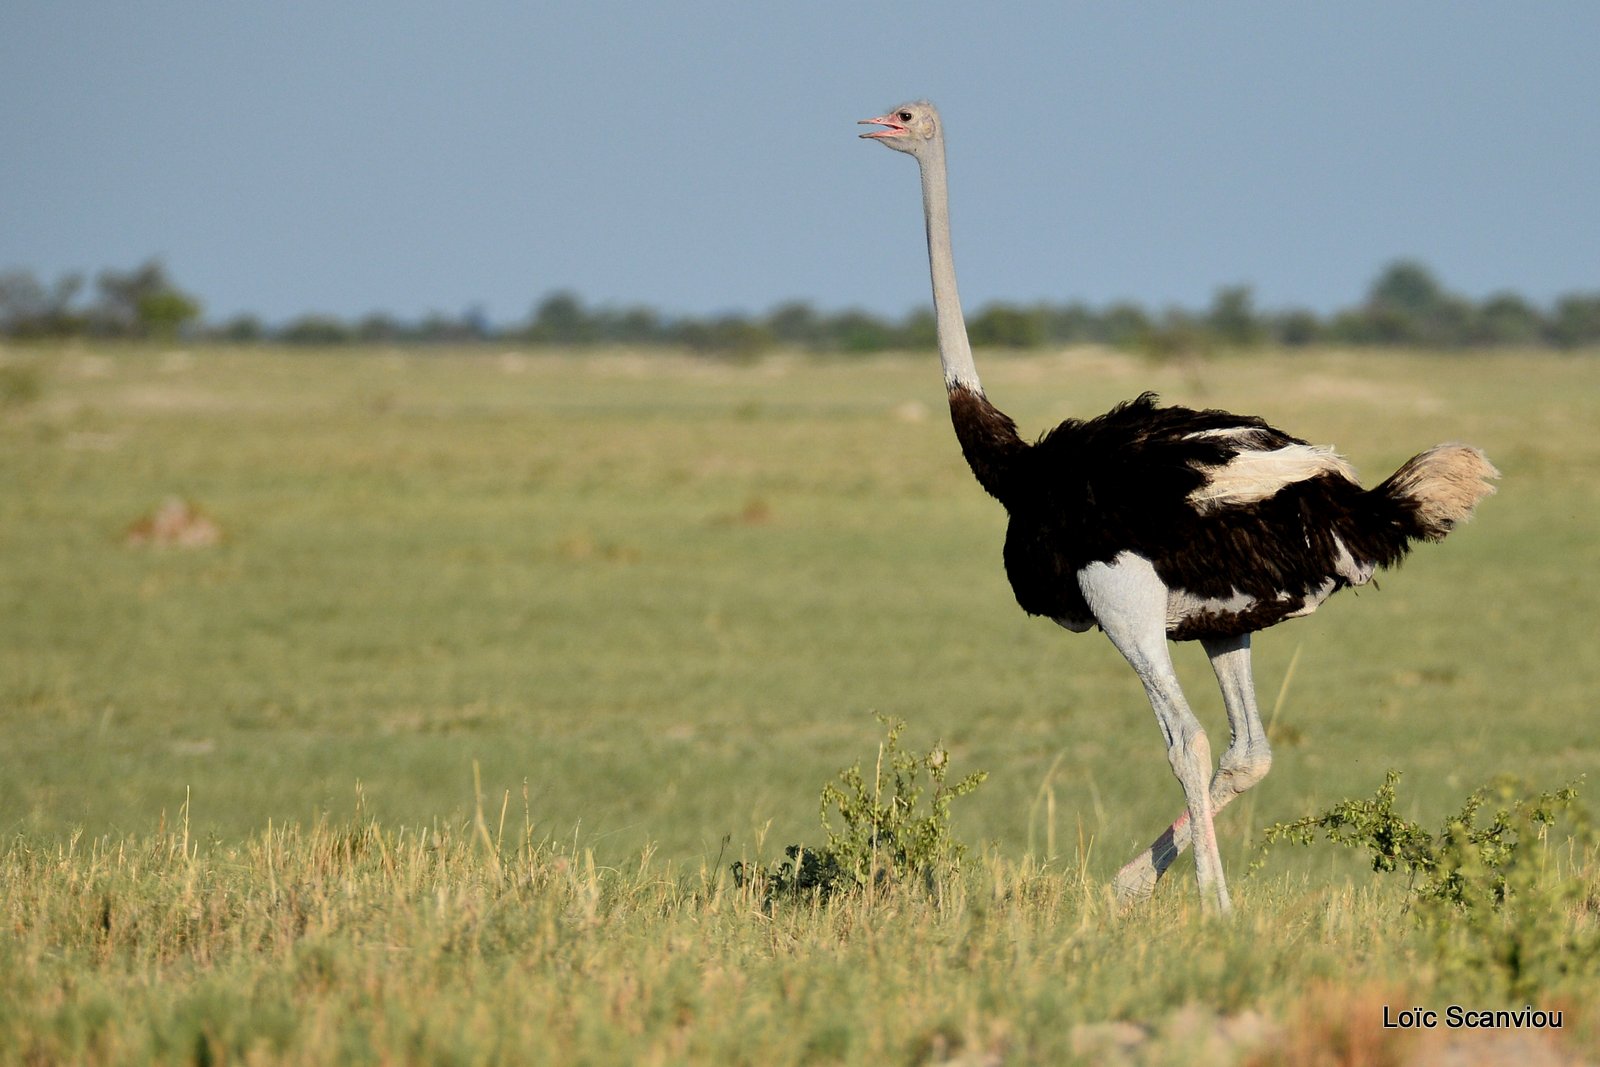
(653, 603)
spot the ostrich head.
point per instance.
(910, 128)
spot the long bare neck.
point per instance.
(988, 437)
(955, 352)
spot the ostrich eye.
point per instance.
(904, 116)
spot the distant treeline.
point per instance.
(1406, 305)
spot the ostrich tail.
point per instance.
(1435, 490)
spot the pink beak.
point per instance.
(894, 130)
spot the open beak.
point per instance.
(894, 130)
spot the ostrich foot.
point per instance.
(1137, 879)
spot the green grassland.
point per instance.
(579, 630)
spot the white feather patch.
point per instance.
(1253, 475)
(1182, 604)
(1313, 600)
(1222, 431)
(1346, 567)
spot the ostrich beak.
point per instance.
(894, 130)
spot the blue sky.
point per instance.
(702, 157)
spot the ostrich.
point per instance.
(1158, 523)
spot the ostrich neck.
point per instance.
(988, 437)
(955, 352)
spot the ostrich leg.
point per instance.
(1129, 600)
(1246, 762)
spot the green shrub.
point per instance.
(1503, 912)
(886, 834)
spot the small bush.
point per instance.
(1502, 911)
(1464, 864)
(886, 834)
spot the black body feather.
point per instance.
(1090, 490)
